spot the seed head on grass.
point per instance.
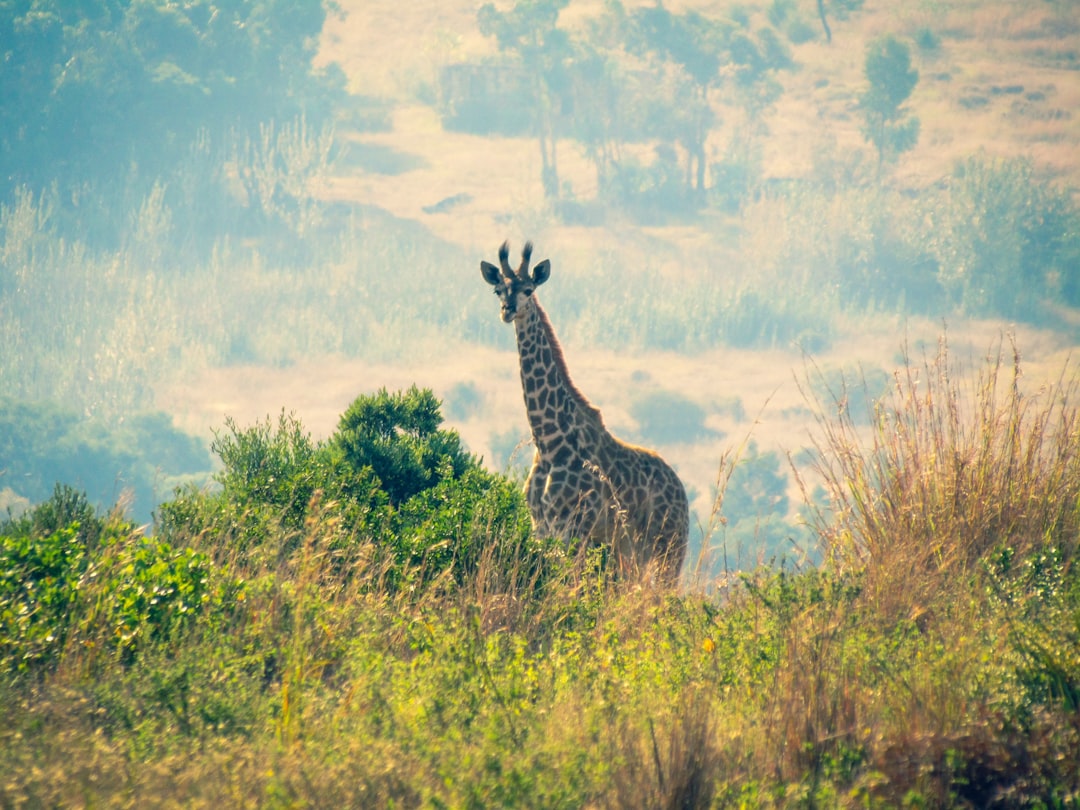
(950, 469)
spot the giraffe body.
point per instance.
(584, 482)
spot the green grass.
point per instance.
(932, 661)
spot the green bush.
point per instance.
(462, 523)
(389, 479)
(397, 436)
(279, 468)
(91, 586)
(275, 479)
(39, 577)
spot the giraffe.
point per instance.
(585, 484)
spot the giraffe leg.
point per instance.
(535, 488)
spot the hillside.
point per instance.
(996, 80)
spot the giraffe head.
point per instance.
(515, 288)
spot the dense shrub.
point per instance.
(397, 436)
(995, 241)
(1005, 241)
(90, 587)
(389, 480)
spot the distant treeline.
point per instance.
(103, 101)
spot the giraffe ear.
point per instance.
(541, 272)
(490, 272)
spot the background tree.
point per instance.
(693, 46)
(695, 55)
(43, 443)
(530, 30)
(840, 9)
(100, 96)
(598, 119)
(888, 125)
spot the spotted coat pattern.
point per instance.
(584, 482)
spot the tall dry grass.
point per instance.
(952, 469)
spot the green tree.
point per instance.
(888, 124)
(398, 437)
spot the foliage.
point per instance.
(757, 488)
(39, 585)
(888, 125)
(90, 91)
(1004, 240)
(275, 474)
(1039, 598)
(126, 321)
(640, 75)
(388, 480)
(91, 587)
(892, 675)
(397, 436)
(752, 515)
(692, 55)
(41, 444)
(995, 241)
(531, 31)
(665, 417)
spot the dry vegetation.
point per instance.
(934, 662)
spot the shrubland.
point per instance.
(311, 633)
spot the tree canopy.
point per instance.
(888, 124)
(93, 89)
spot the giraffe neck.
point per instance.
(552, 401)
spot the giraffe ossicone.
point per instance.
(584, 483)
